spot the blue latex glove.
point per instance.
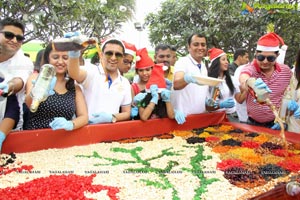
(293, 106)
(179, 117)
(227, 103)
(297, 113)
(2, 138)
(260, 84)
(168, 83)
(189, 79)
(101, 117)
(166, 95)
(276, 126)
(4, 87)
(154, 93)
(139, 97)
(71, 34)
(72, 54)
(61, 123)
(134, 112)
(52, 85)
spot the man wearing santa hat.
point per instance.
(269, 75)
(130, 51)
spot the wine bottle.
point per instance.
(39, 92)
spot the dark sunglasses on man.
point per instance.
(109, 54)
(269, 58)
(9, 35)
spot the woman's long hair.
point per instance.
(160, 109)
(214, 72)
(45, 60)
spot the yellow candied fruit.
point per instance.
(182, 133)
(246, 155)
(226, 137)
(210, 129)
(204, 135)
(261, 139)
(225, 128)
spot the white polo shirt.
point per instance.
(18, 66)
(100, 97)
(191, 99)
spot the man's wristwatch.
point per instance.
(114, 119)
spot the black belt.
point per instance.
(265, 124)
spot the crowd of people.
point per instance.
(85, 92)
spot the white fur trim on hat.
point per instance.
(265, 48)
(222, 54)
(129, 51)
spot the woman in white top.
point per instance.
(224, 99)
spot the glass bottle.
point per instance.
(283, 111)
(39, 92)
(261, 95)
(293, 188)
(72, 44)
(215, 94)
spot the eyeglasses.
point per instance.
(127, 62)
(262, 58)
(9, 35)
(110, 54)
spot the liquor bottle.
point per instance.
(261, 95)
(283, 111)
(215, 94)
(39, 92)
(73, 43)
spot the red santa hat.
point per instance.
(269, 42)
(129, 48)
(215, 53)
(157, 78)
(142, 59)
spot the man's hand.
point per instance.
(179, 117)
(260, 84)
(101, 117)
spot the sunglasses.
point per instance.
(269, 58)
(127, 62)
(110, 54)
(9, 35)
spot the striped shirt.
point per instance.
(278, 82)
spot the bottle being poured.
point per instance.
(262, 96)
(73, 41)
(40, 90)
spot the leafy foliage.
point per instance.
(223, 24)
(47, 19)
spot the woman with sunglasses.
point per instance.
(224, 100)
(65, 108)
(16, 68)
(270, 75)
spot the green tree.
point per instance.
(46, 19)
(223, 24)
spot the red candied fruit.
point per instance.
(212, 139)
(229, 163)
(70, 186)
(250, 144)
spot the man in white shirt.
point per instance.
(187, 96)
